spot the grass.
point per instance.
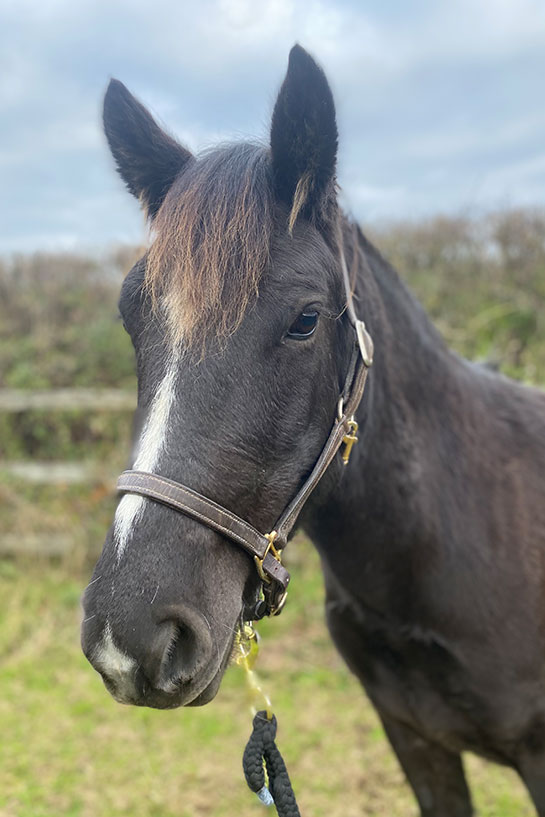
(69, 749)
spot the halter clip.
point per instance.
(350, 439)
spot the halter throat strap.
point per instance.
(265, 548)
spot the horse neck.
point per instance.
(412, 362)
(413, 385)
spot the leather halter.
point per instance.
(266, 548)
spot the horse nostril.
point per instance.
(186, 646)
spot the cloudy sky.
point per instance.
(441, 103)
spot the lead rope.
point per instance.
(264, 767)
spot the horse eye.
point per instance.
(304, 326)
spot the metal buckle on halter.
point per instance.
(275, 609)
(365, 342)
(276, 553)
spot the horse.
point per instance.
(431, 539)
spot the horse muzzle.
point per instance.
(176, 664)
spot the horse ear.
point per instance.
(147, 158)
(304, 138)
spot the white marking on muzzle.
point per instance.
(150, 447)
(116, 665)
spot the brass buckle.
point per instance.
(276, 553)
(350, 439)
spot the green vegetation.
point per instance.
(69, 749)
(58, 322)
(66, 747)
(482, 282)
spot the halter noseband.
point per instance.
(266, 548)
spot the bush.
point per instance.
(482, 281)
(58, 324)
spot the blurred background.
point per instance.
(442, 160)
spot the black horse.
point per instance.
(432, 539)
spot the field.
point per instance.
(69, 749)
(66, 747)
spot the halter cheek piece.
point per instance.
(266, 548)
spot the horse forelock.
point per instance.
(212, 244)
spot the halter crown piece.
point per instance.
(261, 753)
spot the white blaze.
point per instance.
(150, 447)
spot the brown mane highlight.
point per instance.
(212, 244)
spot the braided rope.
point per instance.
(261, 753)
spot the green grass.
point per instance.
(68, 749)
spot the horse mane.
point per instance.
(212, 243)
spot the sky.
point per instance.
(440, 103)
